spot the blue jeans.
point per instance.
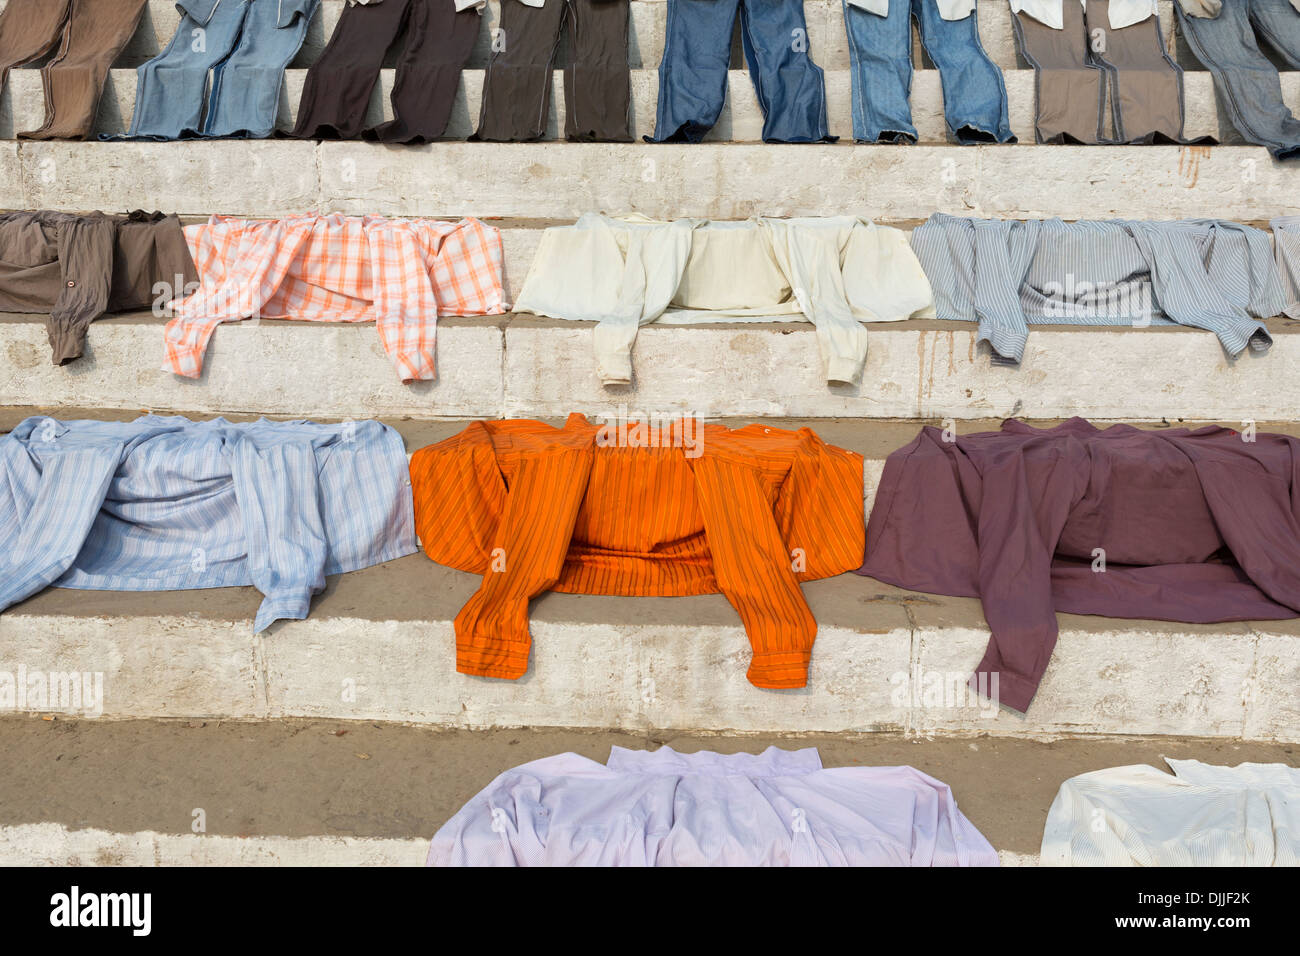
(880, 50)
(245, 44)
(1247, 82)
(693, 72)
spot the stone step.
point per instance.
(647, 664)
(525, 366)
(561, 181)
(22, 107)
(317, 792)
(828, 43)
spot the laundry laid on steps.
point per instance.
(1226, 37)
(880, 50)
(789, 86)
(1009, 274)
(625, 273)
(164, 503)
(1169, 524)
(1201, 815)
(597, 81)
(639, 510)
(664, 808)
(246, 45)
(1100, 60)
(432, 39)
(401, 274)
(84, 38)
(76, 268)
(1286, 249)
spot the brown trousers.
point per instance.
(76, 268)
(435, 45)
(88, 34)
(597, 84)
(1080, 67)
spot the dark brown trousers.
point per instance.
(436, 44)
(597, 84)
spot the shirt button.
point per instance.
(71, 284)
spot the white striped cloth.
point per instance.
(1010, 274)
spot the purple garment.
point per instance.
(1195, 525)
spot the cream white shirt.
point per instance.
(1123, 13)
(1202, 815)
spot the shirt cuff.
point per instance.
(780, 671)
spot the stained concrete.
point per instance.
(299, 778)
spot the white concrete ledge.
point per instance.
(561, 181)
(23, 106)
(498, 367)
(596, 662)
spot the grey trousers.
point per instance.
(1082, 68)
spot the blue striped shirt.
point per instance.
(165, 503)
(1008, 274)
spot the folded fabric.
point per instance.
(1172, 524)
(626, 273)
(664, 808)
(164, 503)
(636, 510)
(79, 267)
(247, 44)
(1008, 274)
(401, 274)
(1203, 815)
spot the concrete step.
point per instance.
(524, 366)
(313, 792)
(827, 41)
(561, 181)
(384, 635)
(23, 106)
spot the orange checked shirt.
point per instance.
(398, 273)
(685, 509)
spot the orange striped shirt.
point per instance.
(578, 509)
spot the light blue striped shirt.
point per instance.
(1007, 275)
(165, 503)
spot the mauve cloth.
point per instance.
(1196, 525)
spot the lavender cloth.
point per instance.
(1193, 525)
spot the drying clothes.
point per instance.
(1286, 247)
(1174, 525)
(663, 808)
(77, 268)
(398, 273)
(246, 44)
(597, 82)
(790, 87)
(165, 504)
(1087, 54)
(1203, 815)
(1007, 274)
(1246, 80)
(87, 35)
(880, 51)
(624, 273)
(1121, 13)
(637, 510)
(437, 37)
